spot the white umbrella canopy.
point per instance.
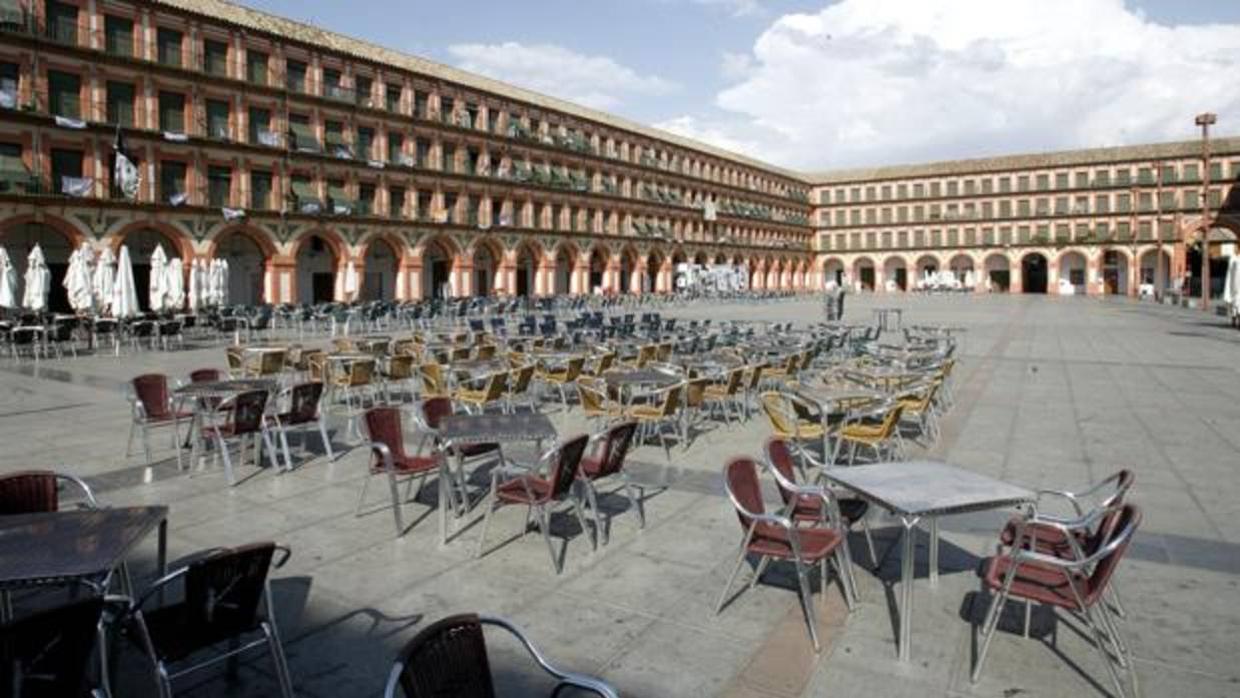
(195, 291)
(350, 281)
(38, 281)
(79, 280)
(103, 279)
(221, 296)
(174, 285)
(124, 293)
(8, 281)
(159, 263)
(1231, 286)
(970, 280)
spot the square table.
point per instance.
(79, 545)
(919, 490)
(470, 429)
(829, 401)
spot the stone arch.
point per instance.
(566, 256)
(1219, 231)
(997, 273)
(629, 270)
(527, 258)
(833, 269)
(864, 273)
(1034, 271)
(438, 257)
(926, 264)
(318, 254)
(1115, 271)
(57, 239)
(895, 273)
(248, 252)
(963, 267)
(1072, 266)
(486, 256)
(597, 266)
(381, 261)
(141, 237)
(1154, 268)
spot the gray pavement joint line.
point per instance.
(1076, 415)
(44, 410)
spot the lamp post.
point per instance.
(1205, 120)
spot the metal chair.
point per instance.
(305, 400)
(1077, 585)
(151, 406)
(606, 460)
(39, 491)
(876, 429)
(658, 416)
(775, 536)
(449, 658)
(388, 458)
(225, 597)
(248, 418)
(48, 654)
(521, 485)
(562, 377)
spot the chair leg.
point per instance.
(592, 498)
(327, 443)
(146, 443)
(395, 490)
(278, 659)
(807, 600)
(634, 502)
(723, 596)
(222, 448)
(1100, 638)
(869, 542)
(361, 497)
(581, 519)
(997, 602)
(486, 520)
(759, 571)
(544, 523)
(129, 443)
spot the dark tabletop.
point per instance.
(68, 545)
(641, 376)
(463, 429)
(226, 388)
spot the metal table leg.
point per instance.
(934, 551)
(441, 485)
(906, 587)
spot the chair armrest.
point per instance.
(588, 683)
(385, 454)
(81, 484)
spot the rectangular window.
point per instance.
(256, 67)
(424, 206)
(120, 103)
(168, 47)
(448, 161)
(1216, 171)
(171, 181)
(62, 22)
(215, 57)
(8, 85)
(365, 142)
(1123, 176)
(1190, 172)
(1123, 203)
(1022, 208)
(65, 163)
(217, 119)
(953, 188)
(392, 95)
(341, 204)
(919, 190)
(304, 138)
(260, 127)
(295, 76)
(901, 191)
(1082, 179)
(1005, 185)
(1145, 175)
(935, 189)
(118, 36)
(305, 196)
(422, 152)
(421, 104)
(219, 186)
(1191, 199)
(172, 112)
(1168, 174)
(1022, 182)
(1005, 208)
(396, 202)
(365, 199)
(332, 87)
(363, 87)
(333, 137)
(260, 190)
(64, 94)
(1044, 182)
(1167, 201)
(1061, 180)
(396, 147)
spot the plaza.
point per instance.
(1049, 393)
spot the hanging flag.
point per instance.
(126, 175)
(232, 214)
(268, 138)
(76, 186)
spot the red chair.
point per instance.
(388, 458)
(1076, 585)
(205, 375)
(428, 418)
(38, 492)
(776, 537)
(248, 418)
(606, 460)
(151, 404)
(518, 485)
(808, 502)
(48, 654)
(303, 413)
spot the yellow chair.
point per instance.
(785, 420)
(485, 352)
(519, 381)
(725, 394)
(434, 383)
(563, 377)
(595, 403)
(399, 369)
(645, 354)
(656, 416)
(459, 354)
(918, 402)
(344, 345)
(355, 381)
(878, 430)
(603, 365)
(491, 393)
(236, 362)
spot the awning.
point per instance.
(303, 138)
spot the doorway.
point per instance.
(1033, 273)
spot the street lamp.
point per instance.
(1205, 121)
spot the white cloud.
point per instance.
(720, 135)
(867, 82)
(736, 66)
(593, 81)
(738, 8)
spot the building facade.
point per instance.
(293, 152)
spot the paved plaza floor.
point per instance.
(1051, 392)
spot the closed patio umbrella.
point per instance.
(350, 282)
(157, 291)
(78, 279)
(197, 279)
(38, 281)
(8, 281)
(174, 285)
(104, 279)
(1231, 287)
(124, 292)
(222, 295)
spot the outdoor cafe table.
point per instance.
(206, 396)
(471, 429)
(924, 490)
(883, 317)
(829, 401)
(79, 545)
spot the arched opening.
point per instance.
(565, 263)
(527, 270)
(628, 271)
(141, 244)
(927, 267)
(721, 259)
(863, 272)
(896, 274)
(316, 270)
(998, 273)
(1033, 273)
(18, 240)
(486, 261)
(247, 263)
(1114, 273)
(699, 259)
(1073, 272)
(1155, 270)
(1222, 244)
(654, 264)
(437, 263)
(962, 269)
(381, 265)
(598, 268)
(833, 270)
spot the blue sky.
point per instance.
(814, 84)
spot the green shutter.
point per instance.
(303, 137)
(118, 36)
(256, 68)
(295, 76)
(303, 189)
(13, 172)
(62, 22)
(217, 119)
(216, 58)
(260, 190)
(171, 112)
(64, 94)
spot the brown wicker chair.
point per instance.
(449, 658)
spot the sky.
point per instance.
(820, 85)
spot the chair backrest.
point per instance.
(671, 400)
(755, 376)
(344, 344)
(434, 409)
(272, 363)
(48, 654)
(695, 392)
(448, 658)
(520, 379)
(400, 366)
(612, 451)
(222, 595)
(605, 363)
(779, 455)
(567, 460)
(204, 375)
(1112, 550)
(496, 384)
(740, 478)
(303, 403)
(573, 370)
(151, 389)
(486, 351)
(384, 426)
(734, 380)
(29, 492)
(782, 419)
(593, 399)
(361, 372)
(432, 378)
(248, 411)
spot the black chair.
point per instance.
(449, 658)
(48, 654)
(226, 597)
